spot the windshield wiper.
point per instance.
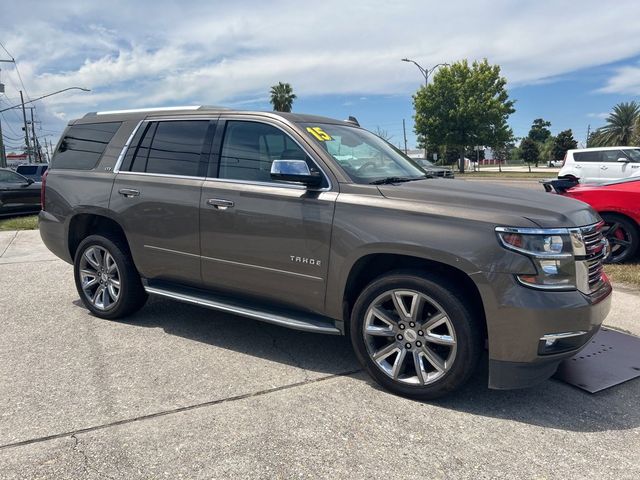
(388, 180)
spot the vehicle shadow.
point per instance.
(552, 404)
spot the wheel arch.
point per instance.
(373, 265)
(84, 224)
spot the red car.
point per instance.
(618, 203)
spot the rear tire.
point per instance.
(623, 236)
(415, 335)
(106, 278)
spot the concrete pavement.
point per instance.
(182, 392)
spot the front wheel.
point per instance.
(415, 335)
(106, 278)
(623, 237)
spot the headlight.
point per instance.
(551, 252)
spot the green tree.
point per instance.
(529, 151)
(539, 131)
(465, 105)
(546, 150)
(282, 97)
(621, 127)
(563, 142)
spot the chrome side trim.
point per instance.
(230, 262)
(246, 312)
(262, 184)
(260, 267)
(164, 175)
(559, 336)
(168, 250)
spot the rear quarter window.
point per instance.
(27, 170)
(82, 145)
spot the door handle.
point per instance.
(603, 167)
(220, 203)
(129, 192)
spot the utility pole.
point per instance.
(26, 129)
(3, 156)
(50, 150)
(588, 133)
(36, 154)
(404, 132)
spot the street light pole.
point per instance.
(45, 96)
(426, 73)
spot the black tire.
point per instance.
(131, 294)
(467, 334)
(623, 236)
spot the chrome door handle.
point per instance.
(129, 192)
(220, 203)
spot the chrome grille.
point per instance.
(594, 244)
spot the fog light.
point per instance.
(561, 342)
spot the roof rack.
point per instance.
(157, 109)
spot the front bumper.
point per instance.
(519, 317)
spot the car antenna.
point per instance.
(353, 120)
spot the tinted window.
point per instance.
(7, 176)
(249, 148)
(598, 156)
(83, 145)
(27, 170)
(172, 148)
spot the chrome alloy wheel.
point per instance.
(99, 277)
(409, 337)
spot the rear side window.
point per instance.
(27, 170)
(83, 145)
(172, 148)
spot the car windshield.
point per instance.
(633, 153)
(365, 157)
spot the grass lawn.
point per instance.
(29, 222)
(628, 273)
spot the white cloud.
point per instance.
(164, 52)
(625, 80)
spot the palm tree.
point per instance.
(282, 97)
(621, 127)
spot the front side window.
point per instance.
(7, 176)
(83, 145)
(249, 148)
(365, 157)
(171, 148)
(633, 154)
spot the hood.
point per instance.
(494, 203)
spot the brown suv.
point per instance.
(319, 225)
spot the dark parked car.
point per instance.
(433, 169)
(34, 171)
(18, 194)
(319, 225)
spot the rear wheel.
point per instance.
(106, 278)
(415, 335)
(623, 236)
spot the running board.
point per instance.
(303, 321)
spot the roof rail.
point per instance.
(141, 110)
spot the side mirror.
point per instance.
(295, 171)
(30, 181)
(624, 160)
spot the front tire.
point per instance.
(623, 237)
(415, 335)
(106, 278)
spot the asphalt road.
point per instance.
(183, 392)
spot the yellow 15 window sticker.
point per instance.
(319, 134)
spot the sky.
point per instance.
(568, 62)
